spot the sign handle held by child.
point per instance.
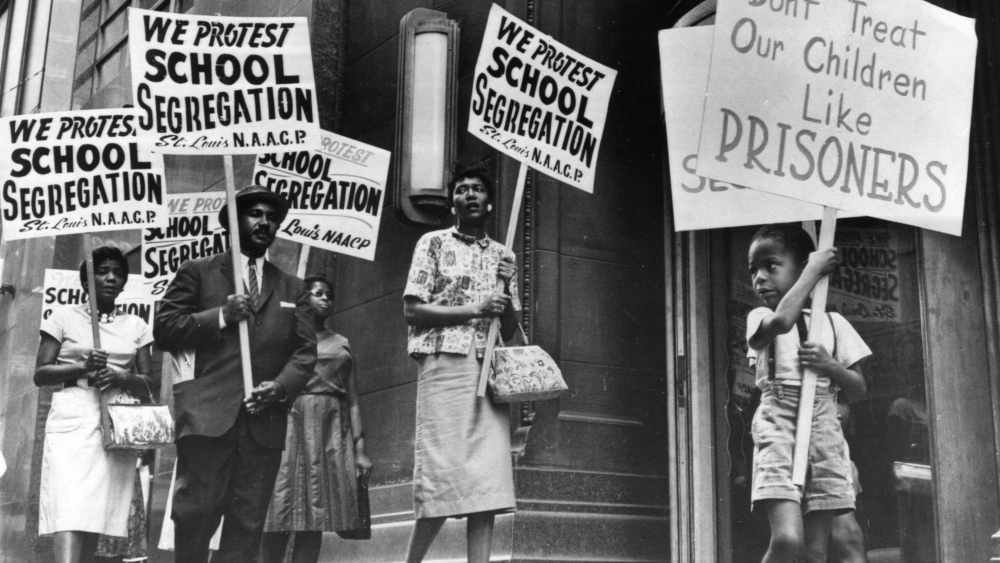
(803, 424)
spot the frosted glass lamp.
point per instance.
(425, 117)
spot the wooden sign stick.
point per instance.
(95, 314)
(300, 270)
(234, 245)
(3, 259)
(803, 425)
(491, 338)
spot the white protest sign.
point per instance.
(854, 104)
(62, 288)
(538, 101)
(223, 85)
(78, 172)
(192, 231)
(699, 202)
(335, 191)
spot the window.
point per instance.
(114, 27)
(33, 70)
(23, 27)
(103, 56)
(111, 6)
(4, 25)
(23, 36)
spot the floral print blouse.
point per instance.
(451, 268)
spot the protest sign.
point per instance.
(223, 85)
(61, 288)
(192, 231)
(78, 172)
(699, 202)
(538, 101)
(857, 105)
(541, 103)
(335, 191)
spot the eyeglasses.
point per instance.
(317, 293)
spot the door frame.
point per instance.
(697, 532)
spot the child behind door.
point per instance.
(784, 267)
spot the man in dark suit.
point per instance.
(228, 448)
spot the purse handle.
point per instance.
(524, 337)
(149, 393)
(520, 327)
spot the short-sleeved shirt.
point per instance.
(450, 268)
(120, 338)
(849, 349)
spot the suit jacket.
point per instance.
(282, 347)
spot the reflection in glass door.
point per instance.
(876, 290)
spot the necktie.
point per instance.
(252, 283)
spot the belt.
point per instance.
(797, 383)
(793, 388)
(327, 393)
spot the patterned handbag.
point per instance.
(126, 424)
(524, 373)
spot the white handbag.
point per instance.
(524, 373)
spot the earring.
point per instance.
(453, 211)
(489, 207)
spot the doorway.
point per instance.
(876, 290)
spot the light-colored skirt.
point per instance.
(84, 488)
(462, 463)
(316, 487)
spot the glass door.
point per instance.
(876, 289)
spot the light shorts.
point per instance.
(829, 477)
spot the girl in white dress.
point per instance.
(85, 489)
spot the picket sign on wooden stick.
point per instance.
(3, 258)
(300, 270)
(803, 425)
(234, 245)
(491, 338)
(95, 314)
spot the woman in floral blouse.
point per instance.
(459, 280)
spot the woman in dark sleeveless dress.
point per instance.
(316, 488)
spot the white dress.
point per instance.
(84, 487)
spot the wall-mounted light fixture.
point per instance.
(425, 115)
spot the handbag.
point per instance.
(364, 530)
(128, 424)
(524, 373)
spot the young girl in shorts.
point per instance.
(784, 268)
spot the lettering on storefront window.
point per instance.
(866, 285)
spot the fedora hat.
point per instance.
(251, 194)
